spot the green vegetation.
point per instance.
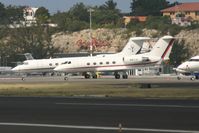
(94, 89)
(148, 7)
(35, 40)
(179, 54)
(42, 15)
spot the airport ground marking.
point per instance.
(96, 127)
(129, 105)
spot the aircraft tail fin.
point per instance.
(134, 45)
(163, 47)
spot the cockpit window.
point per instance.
(25, 63)
(194, 60)
(67, 62)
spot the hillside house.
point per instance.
(128, 19)
(183, 14)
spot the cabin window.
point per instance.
(88, 64)
(101, 63)
(113, 62)
(65, 62)
(50, 64)
(107, 62)
(94, 63)
(56, 64)
(69, 62)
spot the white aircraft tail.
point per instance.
(134, 45)
(163, 47)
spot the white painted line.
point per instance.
(97, 127)
(129, 105)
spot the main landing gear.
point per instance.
(90, 75)
(118, 75)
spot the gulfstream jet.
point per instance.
(132, 47)
(190, 67)
(119, 62)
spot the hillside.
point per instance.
(107, 40)
(191, 40)
(104, 40)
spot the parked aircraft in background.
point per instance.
(119, 63)
(190, 67)
(31, 65)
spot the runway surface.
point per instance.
(97, 115)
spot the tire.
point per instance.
(117, 76)
(179, 78)
(94, 76)
(193, 78)
(87, 76)
(125, 76)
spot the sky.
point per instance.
(64, 5)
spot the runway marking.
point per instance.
(129, 105)
(96, 127)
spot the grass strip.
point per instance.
(105, 90)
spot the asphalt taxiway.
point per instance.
(97, 115)
(154, 81)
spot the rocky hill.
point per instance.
(191, 40)
(106, 40)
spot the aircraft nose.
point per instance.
(184, 66)
(15, 69)
(59, 68)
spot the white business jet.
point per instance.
(190, 67)
(119, 62)
(31, 65)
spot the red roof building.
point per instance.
(128, 19)
(187, 10)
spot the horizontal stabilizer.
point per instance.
(134, 45)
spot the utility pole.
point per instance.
(90, 34)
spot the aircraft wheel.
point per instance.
(193, 78)
(179, 78)
(117, 76)
(65, 78)
(87, 76)
(95, 76)
(125, 76)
